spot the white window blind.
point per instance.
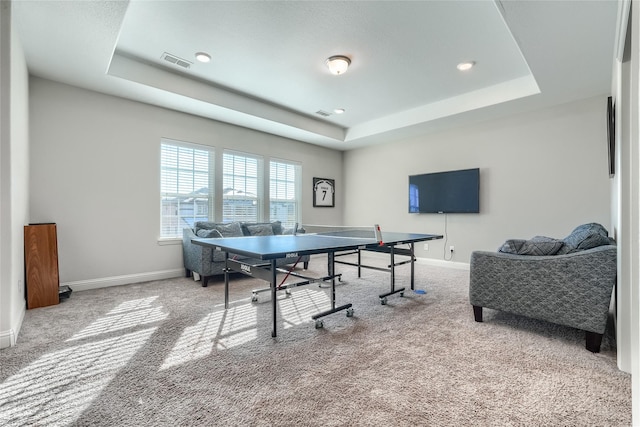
(284, 192)
(186, 186)
(241, 187)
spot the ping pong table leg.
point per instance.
(392, 271)
(411, 248)
(331, 266)
(273, 296)
(226, 280)
(331, 274)
(393, 267)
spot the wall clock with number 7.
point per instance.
(324, 192)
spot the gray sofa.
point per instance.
(208, 262)
(567, 282)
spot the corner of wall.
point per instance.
(9, 337)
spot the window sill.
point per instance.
(163, 241)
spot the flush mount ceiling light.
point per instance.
(338, 64)
(339, 110)
(203, 57)
(464, 66)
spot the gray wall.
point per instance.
(95, 172)
(541, 173)
(14, 177)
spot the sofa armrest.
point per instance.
(573, 289)
(196, 258)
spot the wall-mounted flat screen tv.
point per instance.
(445, 192)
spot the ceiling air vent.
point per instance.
(323, 113)
(175, 60)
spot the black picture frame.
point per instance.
(611, 135)
(324, 193)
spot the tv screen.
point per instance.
(445, 192)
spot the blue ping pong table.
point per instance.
(267, 249)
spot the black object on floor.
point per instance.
(64, 292)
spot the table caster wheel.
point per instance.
(401, 294)
(349, 312)
(319, 324)
(287, 292)
(383, 301)
(254, 297)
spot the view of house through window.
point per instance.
(241, 187)
(284, 192)
(186, 186)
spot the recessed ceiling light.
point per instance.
(464, 66)
(339, 110)
(203, 57)
(338, 64)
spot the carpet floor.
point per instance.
(166, 353)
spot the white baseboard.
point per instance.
(105, 282)
(442, 263)
(427, 261)
(7, 338)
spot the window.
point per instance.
(241, 187)
(186, 186)
(284, 192)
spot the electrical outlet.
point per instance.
(451, 249)
(426, 246)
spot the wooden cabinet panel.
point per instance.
(41, 265)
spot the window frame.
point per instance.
(297, 181)
(259, 186)
(168, 238)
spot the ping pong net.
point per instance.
(356, 232)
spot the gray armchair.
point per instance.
(571, 289)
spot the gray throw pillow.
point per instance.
(231, 229)
(536, 246)
(276, 227)
(260, 230)
(207, 234)
(511, 246)
(586, 236)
